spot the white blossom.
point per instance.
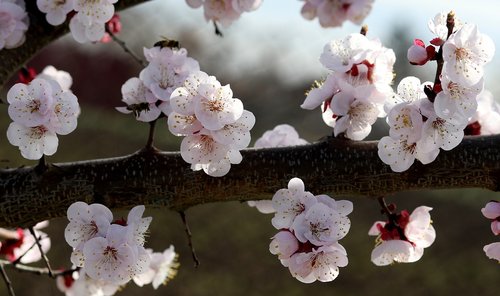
(13, 23)
(291, 202)
(56, 10)
(112, 258)
(162, 268)
(320, 264)
(465, 53)
(320, 225)
(492, 251)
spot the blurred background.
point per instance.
(269, 57)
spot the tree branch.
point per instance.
(337, 167)
(39, 34)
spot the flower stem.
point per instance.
(149, 144)
(189, 236)
(124, 46)
(7, 281)
(44, 257)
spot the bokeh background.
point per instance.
(270, 57)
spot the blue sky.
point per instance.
(278, 26)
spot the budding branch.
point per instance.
(337, 167)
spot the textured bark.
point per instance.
(162, 179)
(39, 34)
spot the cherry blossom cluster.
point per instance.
(353, 94)
(281, 136)
(106, 250)
(14, 23)
(425, 118)
(309, 230)
(22, 245)
(111, 253)
(402, 238)
(162, 268)
(88, 24)
(214, 124)
(492, 212)
(335, 13)
(148, 96)
(224, 12)
(40, 110)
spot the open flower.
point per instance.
(404, 238)
(162, 268)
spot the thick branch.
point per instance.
(163, 179)
(39, 34)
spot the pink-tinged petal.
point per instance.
(263, 206)
(491, 210)
(284, 244)
(392, 251)
(493, 251)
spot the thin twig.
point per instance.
(7, 281)
(151, 136)
(124, 46)
(37, 270)
(44, 257)
(190, 242)
(392, 217)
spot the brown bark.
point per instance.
(162, 179)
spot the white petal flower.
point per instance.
(280, 136)
(321, 264)
(291, 202)
(202, 149)
(419, 229)
(217, 107)
(405, 122)
(86, 222)
(487, 114)
(437, 26)
(284, 244)
(324, 92)
(341, 54)
(31, 105)
(493, 251)
(83, 31)
(138, 224)
(236, 135)
(162, 268)
(355, 116)
(63, 78)
(95, 11)
(27, 249)
(167, 70)
(140, 100)
(263, 206)
(183, 125)
(400, 155)
(440, 133)
(457, 98)
(111, 258)
(56, 10)
(320, 225)
(33, 142)
(395, 251)
(465, 53)
(14, 23)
